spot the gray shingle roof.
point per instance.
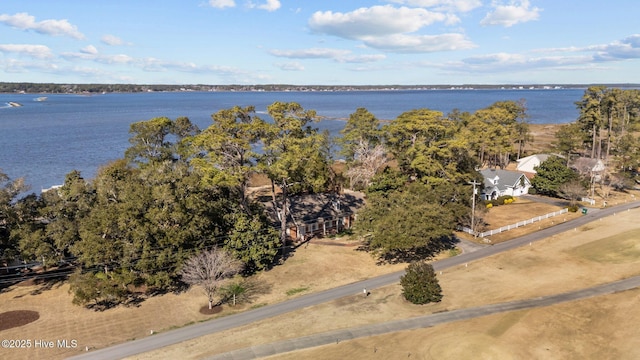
(506, 178)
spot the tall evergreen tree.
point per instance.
(226, 150)
(551, 175)
(295, 155)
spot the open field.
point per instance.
(596, 328)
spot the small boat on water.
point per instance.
(14, 104)
(41, 98)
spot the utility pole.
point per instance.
(473, 206)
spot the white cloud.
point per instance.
(419, 43)
(391, 28)
(111, 40)
(269, 5)
(89, 49)
(360, 59)
(115, 59)
(290, 66)
(374, 21)
(313, 53)
(443, 5)
(34, 51)
(513, 13)
(338, 55)
(24, 21)
(18, 66)
(87, 53)
(627, 48)
(568, 59)
(221, 4)
(508, 62)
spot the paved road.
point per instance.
(194, 331)
(336, 336)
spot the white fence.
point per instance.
(514, 226)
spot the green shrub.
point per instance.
(505, 199)
(573, 208)
(296, 290)
(420, 284)
(234, 292)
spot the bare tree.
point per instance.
(208, 269)
(573, 191)
(367, 161)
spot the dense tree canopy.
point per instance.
(406, 224)
(10, 217)
(495, 132)
(606, 115)
(551, 175)
(226, 150)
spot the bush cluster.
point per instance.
(502, 200)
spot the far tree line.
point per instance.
(180, 191)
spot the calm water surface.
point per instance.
(44, 140)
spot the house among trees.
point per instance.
(592, 168)
(499, 182)
(319, 215)
(528, 164)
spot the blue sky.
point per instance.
(330, 42)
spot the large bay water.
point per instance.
(44, 140)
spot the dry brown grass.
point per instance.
(313, 267)
(601, 327)
(520, 210)
(543, 137)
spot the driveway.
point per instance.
(546, 200)
(469, 246)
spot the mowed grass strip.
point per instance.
(617, 249)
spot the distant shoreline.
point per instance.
(50, 88)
